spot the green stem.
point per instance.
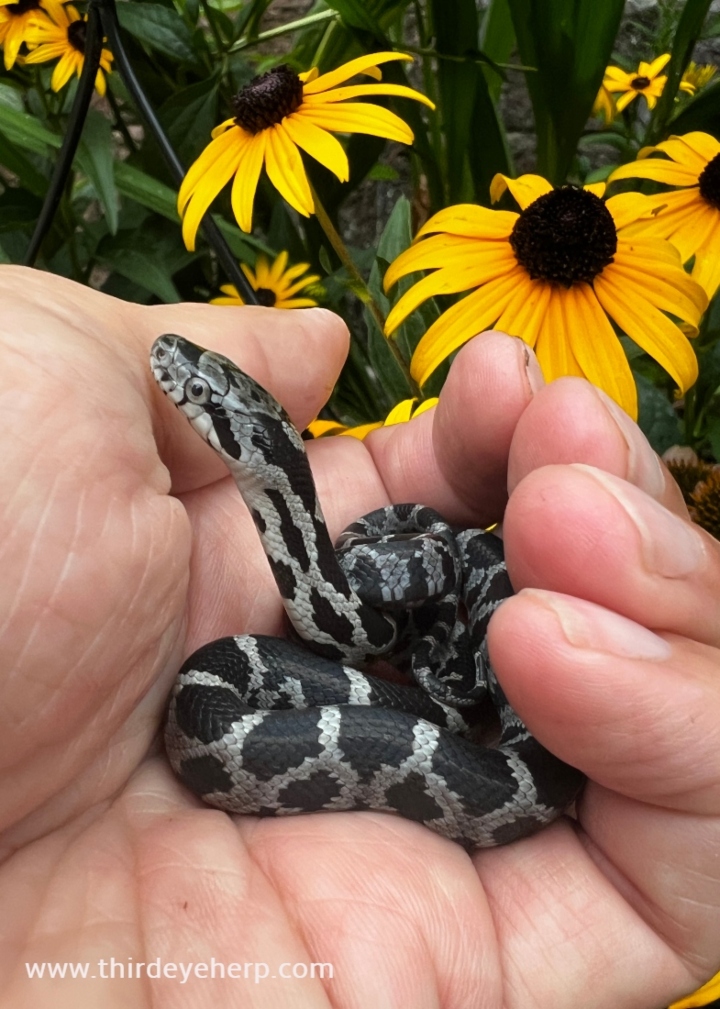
(311, 19)
(345, 258)
(213, 29)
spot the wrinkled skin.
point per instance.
(109, 580)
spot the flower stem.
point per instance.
(364, 292)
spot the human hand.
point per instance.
(107, 856)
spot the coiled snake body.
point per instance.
(271, 726)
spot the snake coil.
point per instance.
(273, 727)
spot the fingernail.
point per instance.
(533, 370)
(586, 625)
(644, 468)
(670, 546)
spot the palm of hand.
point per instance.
(106, 855)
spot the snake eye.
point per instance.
(197, 391)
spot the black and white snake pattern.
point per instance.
(271, 726)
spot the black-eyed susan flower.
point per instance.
(554, 274)
(276, 115)
(15, 21)
(645, 81)
(64, 37)
(688, 217)
(401, 413)
(276, 286)
(697, 76)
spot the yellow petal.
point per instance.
(64, 70)
(360, 90)
(679, 151)
(295, 303)
(361, 65)
(318, 143)
(524, 315)
(705, 145)
(627, 208)
(207, 189)
(286, 170)
(525, 189)
(624, 100)
(648, 327)
(657, 169)
(216, 153)
(100, 83)
(247, 175)
(471, 221)
(706, 269)
(361, 430)
(553, 349)
(596, 188)
(276, 270)
(653, 69)
(479, 271)
(359, 118)
(427, 404)
(436, 252)
(318, 428)
(464, 320)
(597, 349)
(667, 287)
(224, 125)
(400, 413)
(616, 75)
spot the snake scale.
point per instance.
(276, 726)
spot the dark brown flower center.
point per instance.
(640, 83)
(76, 35)
(565, 236)
(22, 7)
(710, 182)
(267, 99)
(266, 297)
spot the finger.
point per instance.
(639, 714)
(573, 421)
(296, 355)
(454, 458)
(578, 530)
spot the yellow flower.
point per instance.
(645, 82)
(275, 115)
(552, 275)
(697, 76)
(64, 36)
(274, 284)
(604, 105)
(703, 996)
(400, 414)
(688, 217)
(15, 21)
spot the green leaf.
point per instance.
(569, 42)
(18, 209)
(656, 417)
(25, 130)
(95, 156)
(146, 190)
(134, 265)
(160, 28)
(686, 35)
(13, 158)
(497, 41)
(189, 117)
(713, 435)
(373, 16)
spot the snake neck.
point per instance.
(274, 478)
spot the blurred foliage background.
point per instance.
(514, 81)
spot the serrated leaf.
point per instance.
(95, 155)
(656, 417)
(160, 28)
